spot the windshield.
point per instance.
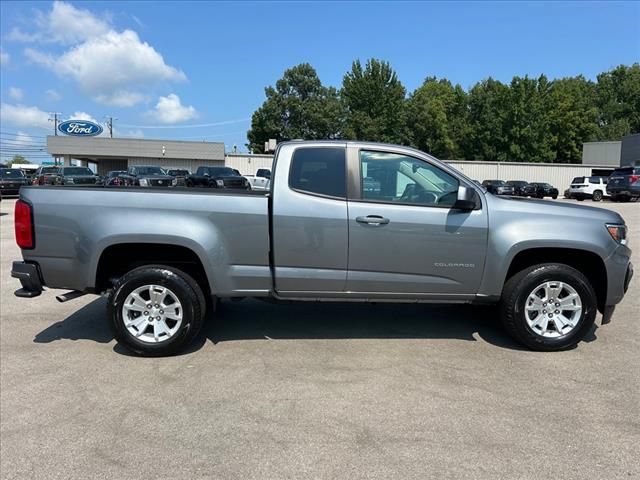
(115, 173)
(149, 171)
(77, 171)
(11, 173)
(517, 183)
(178, 172)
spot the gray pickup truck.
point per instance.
(342, 221)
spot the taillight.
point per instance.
(23, 221)
(634, 178)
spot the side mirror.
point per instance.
(467, 199)
(206, 174)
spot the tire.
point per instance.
(597, 196)
(520, 288)
(174, 336)
(555, 197)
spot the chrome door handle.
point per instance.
(373, 220)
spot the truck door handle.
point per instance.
(373, 220)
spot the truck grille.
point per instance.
(160, 183)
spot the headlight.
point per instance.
(70, 180)
(618, 233)
(220, 183)
(143, 182)
(174, 182)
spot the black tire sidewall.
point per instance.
(536, 276)
(597, 196)
(166, 278)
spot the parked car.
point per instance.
(520, 187)
(12, 180)
(624, 184)
(567, 193)
(541, 190)
(113, 178)
(180, 175)
(261, 180)
(147, 176)
(594, 188)
(498, 187)
(76, 176)
(423, 233)
(45, 176)
(217, 177)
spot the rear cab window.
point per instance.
(319, 171)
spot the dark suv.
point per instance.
(498, 187)
(541, 190)
(11, 179)
(520, 187)
(147, 176)
(76, 176)
(624, 184)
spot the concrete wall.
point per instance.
(630, 154)
(96, 147)
(169, 163)
(558, 175)
(248, 164)
(601, 153)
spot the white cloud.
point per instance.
(23, 116)
(82, 116)
(169, 109)
(134, 134)
(4, 58)
(15, 94)
(111, 68)
(52, 95)
(23, 138)
(64, 24)
(120, 98)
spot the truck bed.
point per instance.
(228, 230)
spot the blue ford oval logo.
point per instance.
(80, 128)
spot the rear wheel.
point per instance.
(554, 197)
(156, 310)
(548, 307)
(597, 195)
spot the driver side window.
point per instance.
(394, 178)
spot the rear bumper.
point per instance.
(30, 279)
(629, 191)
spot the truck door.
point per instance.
(404, 237)
(309, 219)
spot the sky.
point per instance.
(197, 70)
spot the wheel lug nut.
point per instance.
(146, 313)
(161, 311)
(149, 306)
(151, 319)
(550, 315)
(544, 311)
(557, 311)
(557, 304)
(158, 318)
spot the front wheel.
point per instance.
(155, 310)
(548, 307)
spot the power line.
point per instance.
(201, 125)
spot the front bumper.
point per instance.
(30, 278)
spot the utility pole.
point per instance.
(55, 121)
(109, 124)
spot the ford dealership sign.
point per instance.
(80, 128)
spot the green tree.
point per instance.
(618, 101)
(299, 106)
(20, 159)
(487, 118)
(527, 127)
(573, 116)
(374, 100)
(436, 115)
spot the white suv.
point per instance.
(588, 187)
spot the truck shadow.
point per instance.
(256, 320)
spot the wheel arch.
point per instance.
(118, 258)
(590, 264)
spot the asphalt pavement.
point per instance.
(314, 391)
